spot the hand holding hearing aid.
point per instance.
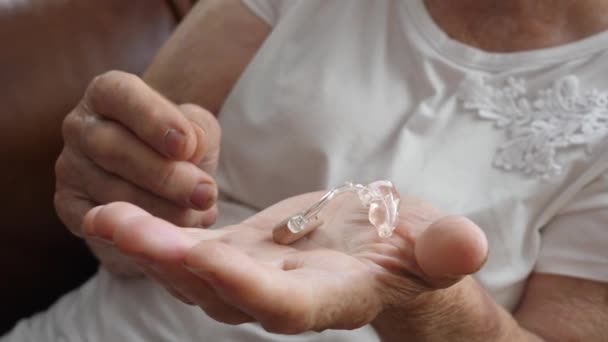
(237, 274)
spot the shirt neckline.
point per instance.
(494, 61)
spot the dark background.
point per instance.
(49, 51)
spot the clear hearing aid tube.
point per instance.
(380, 197)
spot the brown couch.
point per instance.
(50, 50)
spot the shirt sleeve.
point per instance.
(267, 10)
(575, 242)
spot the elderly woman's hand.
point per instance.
(340, 276)
(125, 142)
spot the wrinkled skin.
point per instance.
(126, 142)
(340, 276)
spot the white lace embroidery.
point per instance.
(559, 117)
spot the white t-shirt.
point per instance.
(365, 90)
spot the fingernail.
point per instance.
(174, 141)
(202, 196)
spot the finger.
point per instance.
(143, 236)
(89, 222)
(70, 208)
(196, 291)
(113, 147)
(152, 273)
(208, 131)
(102, 187)
(449, 249)
(137, 233)
(262, 291)
(125, 98)
(70, 205)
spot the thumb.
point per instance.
(208, 134)
(449, 249)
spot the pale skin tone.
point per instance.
(462, 311)
(162, 174)
(342, 275)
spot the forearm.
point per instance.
(463, 312)
(207, 53)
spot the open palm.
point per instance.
(342, 275)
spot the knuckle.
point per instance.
(61, 200)
(112, 75)
(94, 86)
(71, 126)
(100, 144)
(206, 131)
(60, 167)
(98, 87)
(104, 87)
(109, 80)
(202, 118)
(167, 176)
